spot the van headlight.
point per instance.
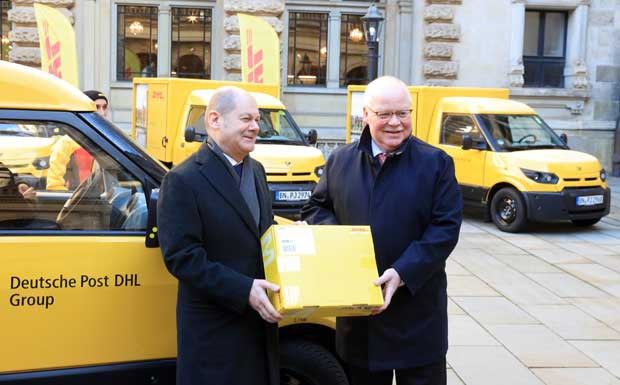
(41, 163)
(319, 171)
(541, 177)
(603, 175)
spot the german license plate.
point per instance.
(589, 200)
(292, 195)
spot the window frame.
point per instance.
(335, 9)
(322, 85)
(212, 12)
(117, 40)
(8, 5)
(344, 81)
(97, 139)
(539, 61)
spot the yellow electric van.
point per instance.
(168, 120)
(85, 297)
(508, 161)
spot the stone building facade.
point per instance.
(476, 43)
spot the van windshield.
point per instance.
(519, 132)
(277, 126)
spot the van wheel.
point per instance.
(508, 210)
(585, 222)
(307, 363)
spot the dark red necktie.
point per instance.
(382, 156)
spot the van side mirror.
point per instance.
(470, 143)
(152, 239)
(564, 138)
(312, 136)
(190, 134)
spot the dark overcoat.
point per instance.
(413, 206)
(211, 243)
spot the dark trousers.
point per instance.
(432, 374)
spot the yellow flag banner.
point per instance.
(57, 43)
(260, 51)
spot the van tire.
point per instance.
(585, 222)
(308, 363)
(508, 210)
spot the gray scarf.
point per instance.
(246, 183)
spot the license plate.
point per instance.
(590, 200)
(292, 195)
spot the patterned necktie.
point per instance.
(382, 157)
(239, 169)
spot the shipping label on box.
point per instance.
(321, 270)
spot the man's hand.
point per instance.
(260, 302)
(390, 281)
(27, 191)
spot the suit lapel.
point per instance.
(264, 200)
(219, 177)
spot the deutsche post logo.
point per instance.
(255, 61)
(52, 51)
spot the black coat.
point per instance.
(413, 206)
(211, 244)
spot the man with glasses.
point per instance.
(406, 191)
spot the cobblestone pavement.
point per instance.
(541, 307)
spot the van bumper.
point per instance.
(544, 206)
(290, 208)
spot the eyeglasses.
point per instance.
(386, 116)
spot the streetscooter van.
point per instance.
(168, 120)
(85, 297)
(509, 163)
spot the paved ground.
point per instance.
(536, 308)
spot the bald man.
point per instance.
(406, 191)
(213, 207)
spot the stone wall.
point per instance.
(441, 33)
(23, 34)
(269, 10)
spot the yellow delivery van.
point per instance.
(85, 297)
(508, 161)
(168, 120)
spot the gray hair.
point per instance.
(224, 100)
(382, 84)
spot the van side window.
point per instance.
(454, 127)
(53, 178)
(196, 119)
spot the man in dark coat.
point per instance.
(406, 191)
(212, 209)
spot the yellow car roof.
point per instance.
(469, 105)
(202, 97)
(27, 88)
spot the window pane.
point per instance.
(554, 34)
(191, 43)
(553, 74)
(353, 51)
(52, 178)
(530, 35)
(455, 126)
(307, 48)
(4, 29)
(137, 42)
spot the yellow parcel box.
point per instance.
(321, 270)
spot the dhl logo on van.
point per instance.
(255, 61)
(157, 95)
(52, 51)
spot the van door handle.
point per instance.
(164, 141)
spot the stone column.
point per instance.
(398, 39)
(269, 10)
(575, 71)
(163, 41)
(24, 35)
(85, 28)
(333, 44)
(516, 43)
